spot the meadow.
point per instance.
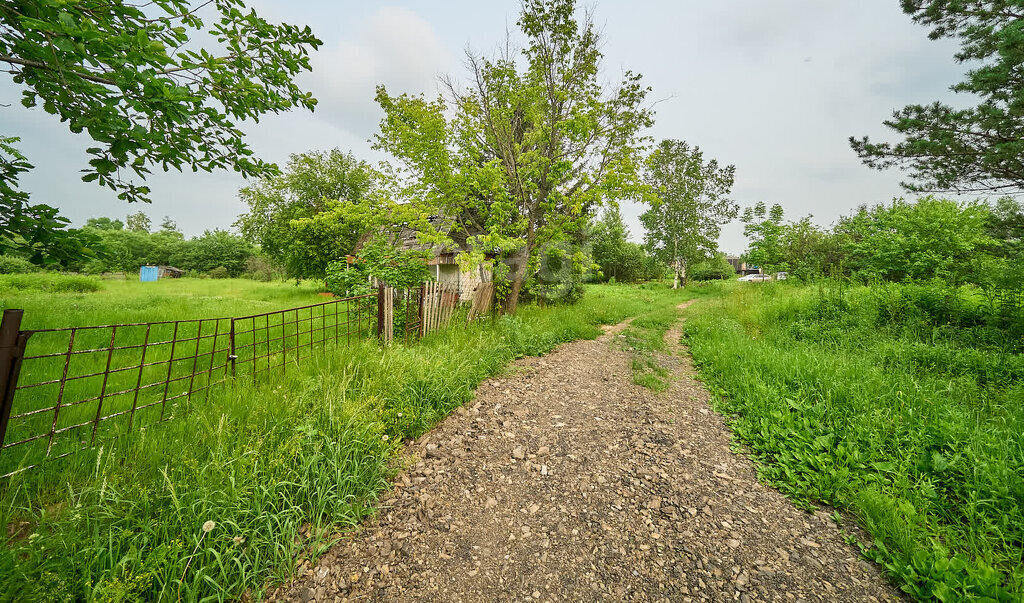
(276, 470)
(901, 404)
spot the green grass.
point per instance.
(901, 404)
(101, 302)
(316, 446)
(87, 376)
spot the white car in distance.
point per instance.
(754, 278)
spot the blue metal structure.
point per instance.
(149, 274)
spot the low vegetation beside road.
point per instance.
(901, 403)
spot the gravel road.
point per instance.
(563, 480)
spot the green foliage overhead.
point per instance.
(979, 148)
(689, 204)
(137, 80)
(313, 213)
(378, 261)
(527, 148)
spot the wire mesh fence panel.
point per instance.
(268, 342)
(81, 385)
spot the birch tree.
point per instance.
(688, 205)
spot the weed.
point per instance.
(899, 403)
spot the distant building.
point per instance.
(149, 274)
(445, 268)
(741, 267)
(170, 272)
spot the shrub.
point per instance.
(220, 272)
(259, 268)
(715, 269)
(10, 264)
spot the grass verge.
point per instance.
(901, 404)
(280, 469)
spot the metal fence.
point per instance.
(65, 390)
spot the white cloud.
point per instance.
(396, 49)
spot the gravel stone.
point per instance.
(630, 495)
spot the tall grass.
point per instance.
(279, 468)
(900, 403)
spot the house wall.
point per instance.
(465, 281)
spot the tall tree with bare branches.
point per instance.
(529, 146)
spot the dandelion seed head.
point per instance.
(384, 437)
(239, 539)
(209, 525)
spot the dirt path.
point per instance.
(565, 481)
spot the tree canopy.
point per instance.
(534, 142)
(977, 149)
(689, 203)
(313, 213)
(135, 78)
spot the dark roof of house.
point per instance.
(405, 237)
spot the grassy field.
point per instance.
(279, 468)
(54, 300)
(903, 404)
(121, 378)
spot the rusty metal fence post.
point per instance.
(232, 356)
(12, 349)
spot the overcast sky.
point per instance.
(773, 86)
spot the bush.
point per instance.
(220, 272)
(259, 268)
(715, 269)
(10, 264)
(51, 283)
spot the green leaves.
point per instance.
(533, 144)
(689, 204)
(133, 80)
(979, 149)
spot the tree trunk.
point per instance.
(675, 274)
(682, 265)
(517, 262)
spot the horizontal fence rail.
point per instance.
(66, 390)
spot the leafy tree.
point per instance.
(716, 268)
(979, 148)
(135, 78)
(764, 228)
(104, 224)
(381, 261)
(214, 249)
(169, 226)
(313, 213)
(689, 205)
(139, 222)
(932, 238)
(1006, 225)
(608, 239)
(37, 233)
(534, 142)
(618, 257)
